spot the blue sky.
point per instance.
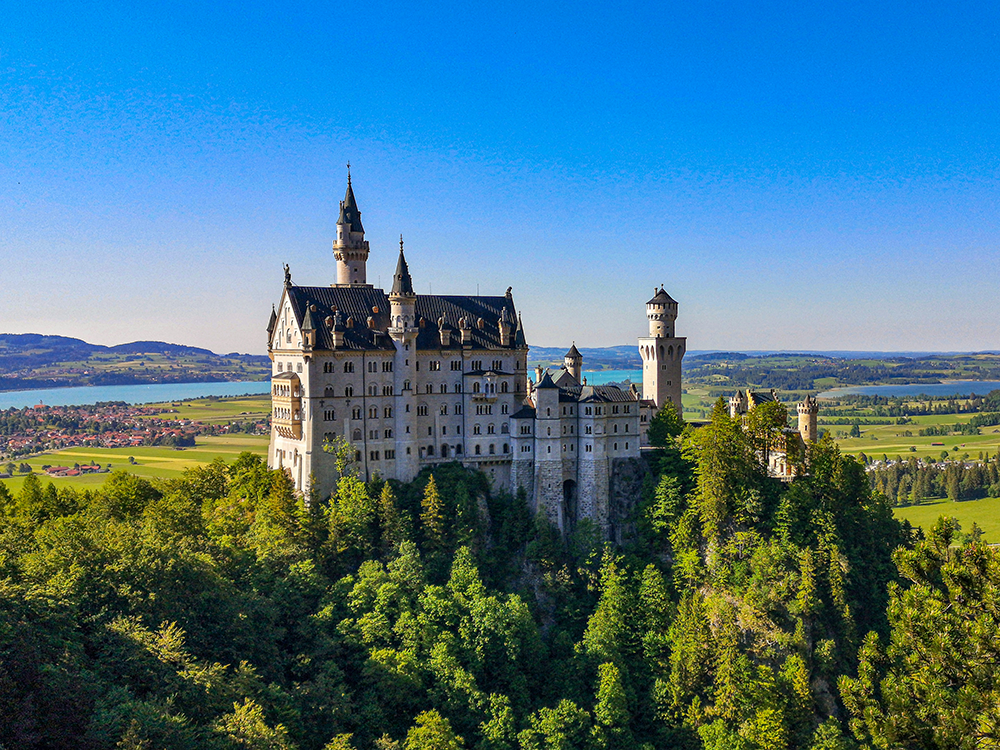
(797, 176)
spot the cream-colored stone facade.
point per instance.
(411, 381)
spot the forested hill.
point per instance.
(221, 611)
(31, 360)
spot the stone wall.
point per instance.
(625, 495)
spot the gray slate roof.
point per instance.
(361, 303)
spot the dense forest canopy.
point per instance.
(221, 610)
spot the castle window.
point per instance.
(373, 390)
(458, 387)
(549, 450)
(614, 409)
(506, 448)
(626, 446)
(588, 411)
(386, 390)
(430, 430)
(422, 411)
(492, 449)
(373, 367)
(504, 408)
(373, 455)
(456, 365)
(458, 449)
(444, 451)
(548, 412)
(444, 388)
(387, 412)
(616, 446)
(444, 410)
(477, 364)
(475, 387)
(280, 367)
(348, 367)
(476, 429)
(497, 364)
(616, 428)
(444, 429)
(356, 413)
(429, 388)
(406, 385)
(503, 387)
(387, 366)
(458, 429)
(329, 392)
(390, 455)
(373, 412)
(628, 409)
(349, 391)
(387, 434)
(490, 429)
(407, 451)
(589, 429)
(435, 365)
(572, 447)
(298, 367)
(626, 427)
(356, 435)
(458, 408)
(417, 365)
(373, 434)
(504, 429)
(357, 455)
(588, 448)
(430, 450)
(329, 415)
(478, 450)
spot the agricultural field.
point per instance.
(150, 462)
(895, 442)
(163, 461)
(985, 513)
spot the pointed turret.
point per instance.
(401, 281)
(273, 321)
(308, 329)
(350, 247)
(350, 214)
(573, 362)
(519, 339)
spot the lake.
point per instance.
(600, 377)
(132, 394)
(948, 388)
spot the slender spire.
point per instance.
(273, 321)
(401, 281)
(349, 212)
(519, 339)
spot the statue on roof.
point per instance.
(288, 275)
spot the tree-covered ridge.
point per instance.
(220, 610)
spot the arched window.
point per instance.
(475, 387)
(492, 449)
(478, 450)
(503, 387)
(349, 391)
(356, 435)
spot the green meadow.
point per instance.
(985, 513)
(161, 461)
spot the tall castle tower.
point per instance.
(573, 361)
(350, 248)
(403, 330)
(808, 419)
(662, 352)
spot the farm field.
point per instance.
(892, 441)
(985, 513)
(151, 462)
(217, 410)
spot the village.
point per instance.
(28, 431)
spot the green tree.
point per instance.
(432, 520)
(665, 425)
(431, 731)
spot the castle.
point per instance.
(412, 380)
(788, 443)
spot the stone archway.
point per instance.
(570, 506)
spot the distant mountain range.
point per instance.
(33, 360)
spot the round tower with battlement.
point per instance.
(662, 352)
(809, 419)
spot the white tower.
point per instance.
(662, 352)
(808, 419)
(350, 248)
(573, 362)
(403, 330)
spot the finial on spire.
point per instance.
(348, 173)
(400, 243)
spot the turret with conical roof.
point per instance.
(350, 247)
(573, 361)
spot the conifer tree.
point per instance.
(432, 517)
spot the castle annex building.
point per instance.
(413, 380)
